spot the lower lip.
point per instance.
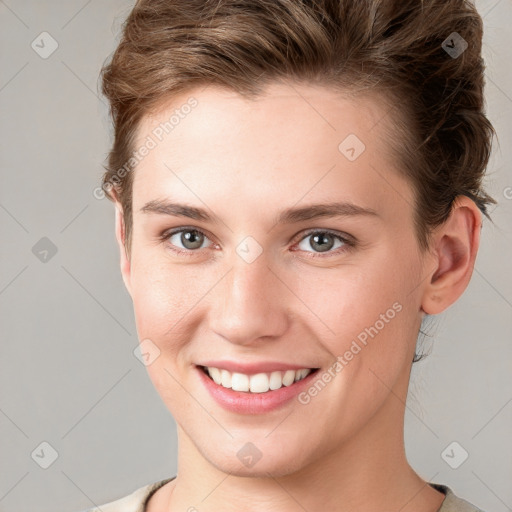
(253, 403)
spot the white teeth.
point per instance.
(239, 382)
(289, 377)
(300, 374)
(215, 375)
(257, 383)
(225, 378)
(276, 381)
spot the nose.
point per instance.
(251, 303)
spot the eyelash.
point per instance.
(349, 242)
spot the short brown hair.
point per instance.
(414, 51)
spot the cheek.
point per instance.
(158, 308)
(160, 292)
(154, 305)
(160, 305)
(167, 306)
(369, 313)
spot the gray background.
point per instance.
(68, 375)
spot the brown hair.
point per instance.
(413, 51)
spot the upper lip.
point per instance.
(251, 368)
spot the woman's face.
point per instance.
(259, 289)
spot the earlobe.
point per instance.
(455, 248)
(120, 237)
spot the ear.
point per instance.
(454, 249)
(120, 236)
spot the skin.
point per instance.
(247, 161)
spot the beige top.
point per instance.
(136, 501)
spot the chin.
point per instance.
(277, 465)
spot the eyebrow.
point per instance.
(288, 216)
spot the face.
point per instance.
(262, 282)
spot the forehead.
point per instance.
(293, 142)
(297, 108)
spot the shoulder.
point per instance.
(452, 502)
(134, 502)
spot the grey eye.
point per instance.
(321, 241)
(189, 238)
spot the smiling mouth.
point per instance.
(256, 383)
